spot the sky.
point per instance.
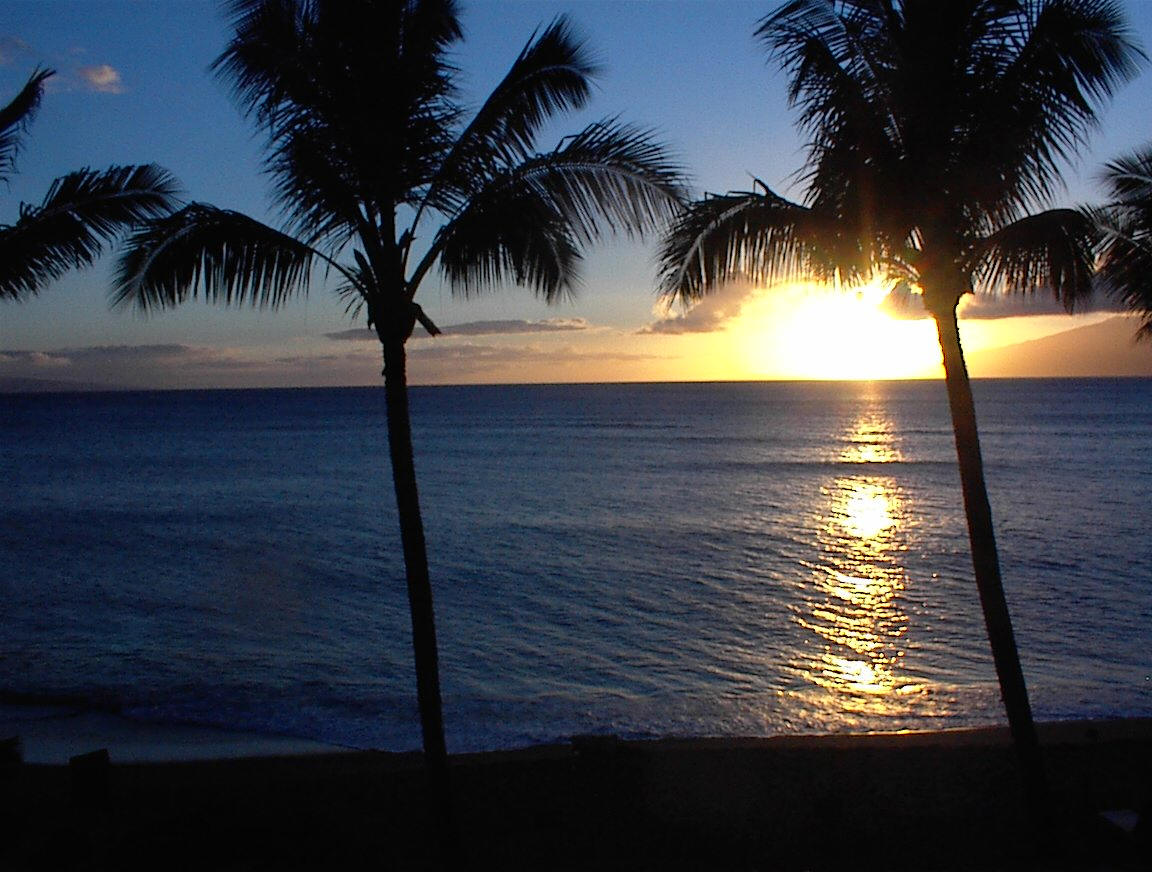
(132, 86)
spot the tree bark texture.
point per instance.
(419, 596)
(986, 566)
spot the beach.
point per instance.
(928, 800)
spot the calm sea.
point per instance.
(644, 560)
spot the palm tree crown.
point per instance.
(1126, 221)
(81, 212)
(935, 130)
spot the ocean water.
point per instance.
(642, 560)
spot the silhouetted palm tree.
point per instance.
(936, 129)
(81, 211)
(368, 145)
(1126, 222)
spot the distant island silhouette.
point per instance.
(1103, 349)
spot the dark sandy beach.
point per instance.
(944, 800)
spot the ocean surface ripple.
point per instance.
(644, 560)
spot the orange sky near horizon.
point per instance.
(792, 332)
(813, 332)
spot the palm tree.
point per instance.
(81, 212)
(368, 145)
(936, 129)
(1126, 223)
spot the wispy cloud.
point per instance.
(506, 328)
(101, 78)
(711, 314)
(478, 328)
(139, 366)
(356, 334)
(11, 49)
(462, 363)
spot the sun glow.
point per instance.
(813, 332)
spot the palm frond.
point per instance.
(1129, 179)
(824, 44)
(508, 234)
(223, 256)
(552, 74)
(609, 178)
(352, 297)
(259, 61)
(370, 80)
(754, 236)
(81, 213)
(841, 58)
(1049, 251)
(838, 55)
(357, 287)
(1126, 264)
(14, 119)
(1126, 225)
(1036, 109)
(321, 193)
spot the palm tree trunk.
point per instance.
(986, 566)
(419, 596)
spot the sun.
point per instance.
(809, 331)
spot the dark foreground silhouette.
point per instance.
(915, 801)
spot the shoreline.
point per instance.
(52, 735)
(946, 799)
(55, 736)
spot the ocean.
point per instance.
(640, 560)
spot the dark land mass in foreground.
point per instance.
(918, 801)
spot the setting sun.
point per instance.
(813, 332)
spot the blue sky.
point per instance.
(133, 86)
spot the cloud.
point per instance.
(12, 48)
(101, 78)
(139, 366)
(1041, 303)
(505, 328)
(489, 354)
(478, 328)
(710, 315)
(356, 334)
(35, 359)
(126, 353)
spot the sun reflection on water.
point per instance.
(871, 440)
(854, 608)
(866, 510)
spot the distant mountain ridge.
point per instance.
(1104, 349)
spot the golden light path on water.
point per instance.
(854, 608)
